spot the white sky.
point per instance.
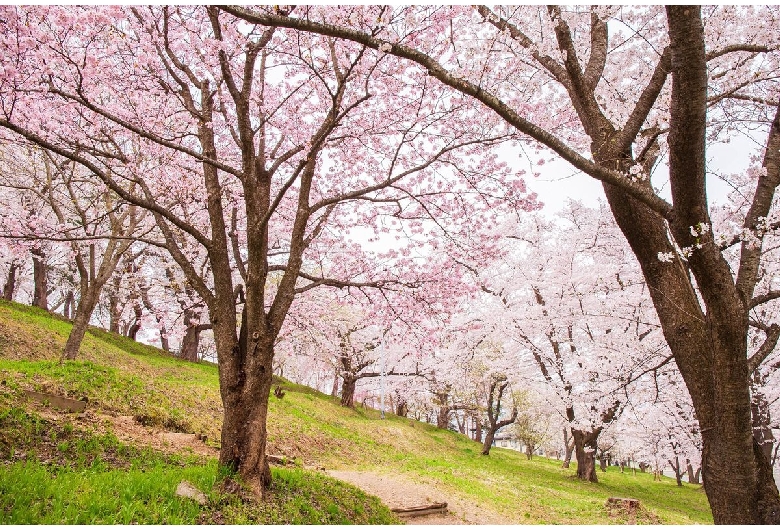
(558, 181)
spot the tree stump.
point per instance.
(627, 505)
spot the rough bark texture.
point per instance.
(585, 445)
(348, 385)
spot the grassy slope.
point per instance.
(119, 376)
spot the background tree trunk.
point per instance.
(568, 443)
(10, 282)
(84, 310)
(40, 283)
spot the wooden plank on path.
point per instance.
(72, 405)
(416, 511)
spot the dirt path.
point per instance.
(401, 491)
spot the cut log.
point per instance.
(416, 511)
(71, 405)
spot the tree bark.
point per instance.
(495, 394)
(568, 443)
(10, 282)
(348, 386)
(83, 314)
(40, 283)
(678, 472)
(693, 476)
(68, 308)
(585, 445)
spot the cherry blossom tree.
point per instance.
(98, 228)
(269, 135)
(610, 90)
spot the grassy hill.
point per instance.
(60, 467)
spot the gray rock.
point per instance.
(185, 489)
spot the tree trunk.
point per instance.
(334, 391)
(348, 390)
(83, 314)
(114, 311)
(678, 472)
(443, 417)
(40, 283)
(189, 344)
(402, 409)
(603, 464)
(693, 476)
(489, 437)
(585, 444)
(245, 394)
(568, 443)
(10, 282)
(136, 327)
(477, 429)
(68, 308)
(529, 450)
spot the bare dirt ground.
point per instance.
(400, 491)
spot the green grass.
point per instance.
(119, 376)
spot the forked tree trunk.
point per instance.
(585, 445)
(693, 476)
(10, 282)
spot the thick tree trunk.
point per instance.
(245, 385)
(10, 282)
(189, 344)
(443, 417)
(40, 283)
(585, 444)
(348, 391)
